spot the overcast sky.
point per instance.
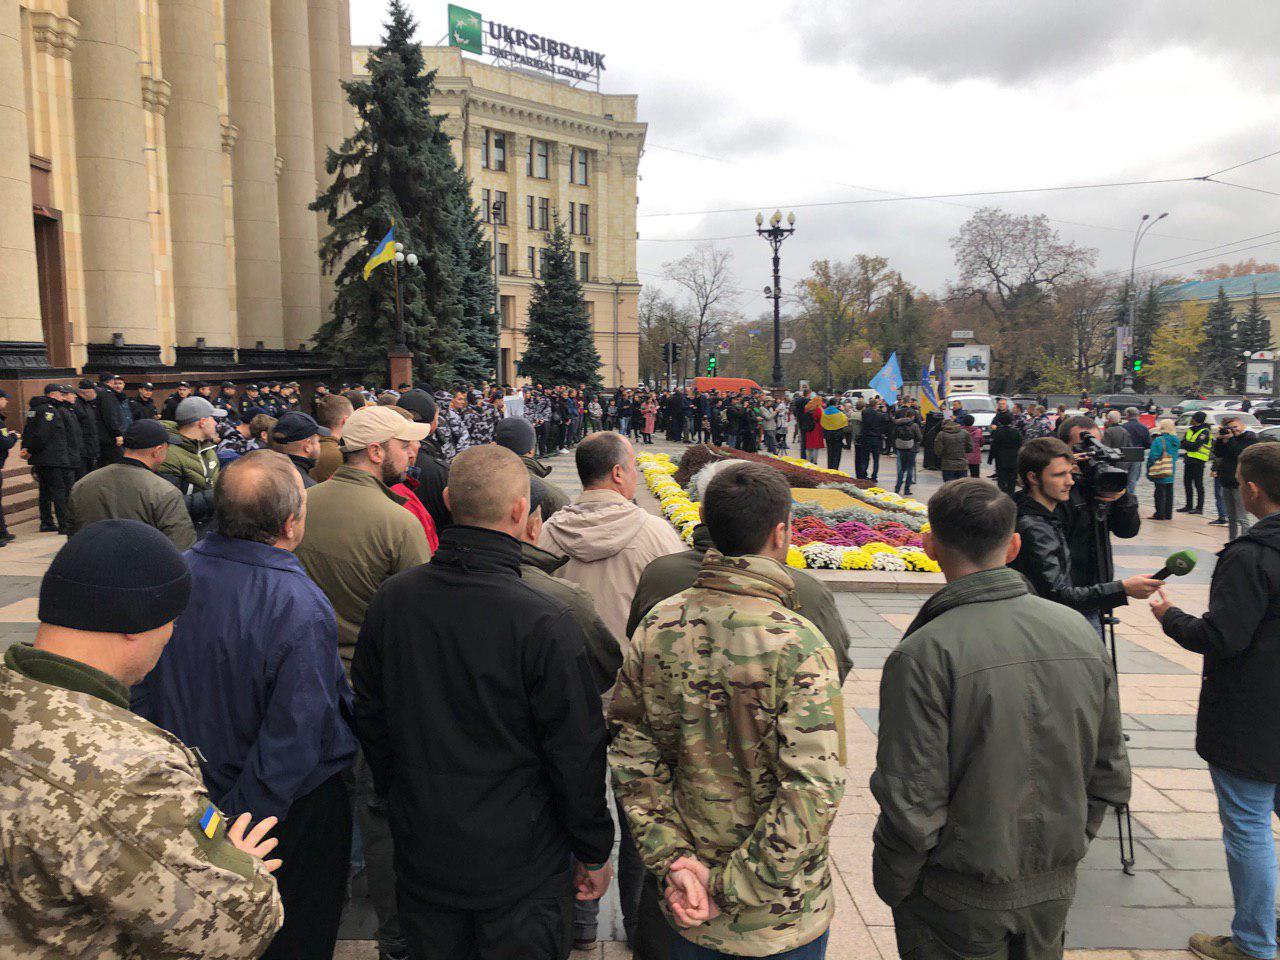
(789, 103)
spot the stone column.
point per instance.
(251, 103)
(19, 296)
(193, 137)
(119, 275)
(346, 65)
(295, 143)
(626, 239)
(326, 104)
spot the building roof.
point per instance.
(1236, 288)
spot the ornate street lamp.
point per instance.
(410, 259)
(775, 234)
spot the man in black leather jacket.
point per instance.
(1061, 554)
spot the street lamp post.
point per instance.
(497, 214)
(775, 235)
(400, 357)
(1143, 227)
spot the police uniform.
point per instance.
(51, 436)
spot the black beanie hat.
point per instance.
(516, 434)
(115, 576)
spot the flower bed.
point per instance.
(821, 539)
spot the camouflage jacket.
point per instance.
(537, 409)
(480, 422)
(451, 433)
(729, 745)
(109, 845)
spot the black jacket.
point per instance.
(170, 408)
(111, 419)
(1046, 559)
(875, 424)
(87, 417)
(478, 713)
(304, 466)
(7, 439)
(1226, 454)
(1238, 725)
(433, 477)
(1006, 441)
(144, 409)
(51, 434)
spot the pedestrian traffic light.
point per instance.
(1137, 364)
(711, 365)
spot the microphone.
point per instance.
(1178, 565)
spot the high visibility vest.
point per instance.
(1195, 445)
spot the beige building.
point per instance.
(534, 147)
(156, 162)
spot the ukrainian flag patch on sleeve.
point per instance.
(210, 820)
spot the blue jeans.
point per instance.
(1218, 500)
(906, 471)
(682, 949)
(949, 475)
(1135, 474)
(1245, 808)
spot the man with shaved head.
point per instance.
(481, 724)
(252, 682)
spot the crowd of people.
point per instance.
(283, 647)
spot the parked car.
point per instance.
(1190, 406)
(1270, 434)
(1120, 401)
(981, 406)
(1215, 418)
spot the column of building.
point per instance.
(346, 66)
(228, 133)
(119, 270)
(327, 107)
(295, 144)
(193, 139)
(251, 106)
(19, 295)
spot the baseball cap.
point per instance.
(145, 434)
(196, 408)
(104, 377)
(56, 388)
(378, 425)
(86, 384)
(295, 426)
(146, 386)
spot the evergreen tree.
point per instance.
(1148, 317)
(1255, 327)
(473, 257)
(561, 348)
(1221, 343)
(397, 168)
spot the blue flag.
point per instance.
(888, 381)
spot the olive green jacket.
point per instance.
(130, 491)
(667, 576)
(190, 464)
(537, 569)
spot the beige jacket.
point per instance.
(609, 541)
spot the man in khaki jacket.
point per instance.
(608, 539)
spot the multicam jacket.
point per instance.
(109, 845)
(729, 746)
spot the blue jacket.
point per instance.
(251, 678)
(1160, 445)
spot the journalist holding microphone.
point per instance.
(1238, 724)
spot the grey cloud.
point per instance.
(1011, 42)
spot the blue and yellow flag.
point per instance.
(385, 251)
(928, 396)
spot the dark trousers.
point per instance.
(55, 487)
(315, 845)
(110, 453)
(4, 526)
(535, 928)
(928, 931)
(379, 854)
(1007, 479)
(975, 469)
(1164, 501)
(949, 475)
(682, 949)
(1193, 483)
(631, 874)
(653, 935)
(866, 458)
(906, 471)
(835, 450)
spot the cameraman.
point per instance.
(1063, 524)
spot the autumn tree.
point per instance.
(1242, 268)
(1085, 323)
(828, 301)
(707, 278)
(1177, 346)
(661, 321)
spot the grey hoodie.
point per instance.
(609, 541)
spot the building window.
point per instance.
(584, 267)
(542, 261)
(544, 213)
(500, 207)
(578, 166)
(584, 220)
(484, 205)
(498, 152)
(507, 309)
(484, 150)
(537, 164)
(502, 260)
(533, 262)
(573, 217)
(528, 211)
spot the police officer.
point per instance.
(143, 406)
(51, 443)
(1196, 444)
(112, 847)
(85, 407)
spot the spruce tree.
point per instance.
(561, 348)
(1221, 343)
(1148, 317)
(473, 258)
(397, 168)
(1255, 327)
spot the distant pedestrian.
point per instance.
(1196, 444)
(953, 444)
(1162, 467)
(1006, 441)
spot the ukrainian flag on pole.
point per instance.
(928, 396)
(384, 252)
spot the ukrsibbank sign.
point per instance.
(469, 31)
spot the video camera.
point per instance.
(1104, 469)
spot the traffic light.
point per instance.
(1137, 364)
(711, 365)
(666, 353)
(675, 352)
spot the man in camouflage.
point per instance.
(452, 432)
(480, 418)
(728, 751)
(109, 845)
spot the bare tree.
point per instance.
(1086, 311)
(705, 275)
